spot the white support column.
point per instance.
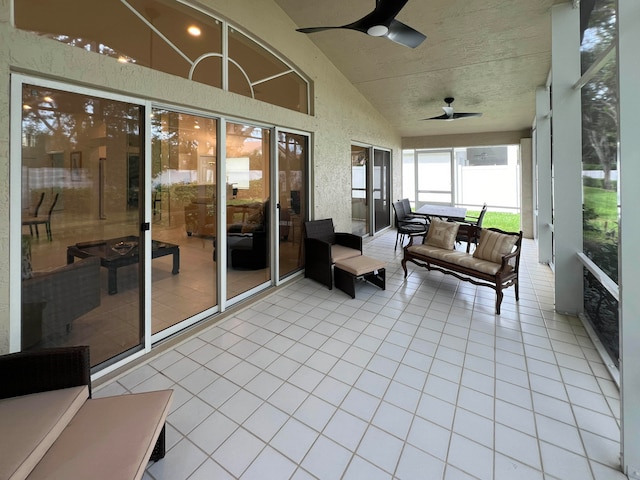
(567, 157)
(543, 176)
(629, 260)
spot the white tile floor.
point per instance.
(421, 381)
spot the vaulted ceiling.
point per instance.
(489, 55)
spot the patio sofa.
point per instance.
(494, 263)
(52, 429)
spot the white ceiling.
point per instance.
(489, 55)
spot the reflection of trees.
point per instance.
(600, 134)
(600, 95)
(62, 121)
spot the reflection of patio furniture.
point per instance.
(200, 218)
(34, 213)
(46, 221)
(248, 240)
(52, 300)
(157, 198)
(111, 259)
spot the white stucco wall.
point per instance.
(342, 115)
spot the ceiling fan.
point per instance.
(381, 22)
(449, 114)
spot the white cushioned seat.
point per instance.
(340, 252)
(31, 424)
(360, 265)
(106, 439)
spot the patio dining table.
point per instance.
(442, 211)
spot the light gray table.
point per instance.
(442, 211)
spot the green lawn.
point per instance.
(601, 214)
(603, 202)
(509, 222)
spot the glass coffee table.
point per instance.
(120, 252)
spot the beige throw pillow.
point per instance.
(493, 246)
(442, 234)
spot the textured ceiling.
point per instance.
(489, 55)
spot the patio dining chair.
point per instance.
(471, 220)
(410, 214)
(406, 227)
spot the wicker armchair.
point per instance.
(323, 247)
(37, 371)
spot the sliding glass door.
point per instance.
(249, 208)
(292, 197)
(360, 214)
(81, 246)
(381, 189)
(128, 238)
(184, 217)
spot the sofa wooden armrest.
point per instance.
(498, 274)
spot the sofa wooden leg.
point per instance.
(499, 296)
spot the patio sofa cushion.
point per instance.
(493, 246)
(442, 234)
(52, 429)
(25, 436)
(107, 438)
(340, 252)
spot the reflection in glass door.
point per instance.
(360, 214)
(81, 249)
(248, 207)
(381, 189)
(434, 177)
(184, 217)
(292, 188)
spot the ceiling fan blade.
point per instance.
(404, 34)
(466, 115)
(315, 29)
(381, 19)
(387, 10)
(444, 116)
(384, 14)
